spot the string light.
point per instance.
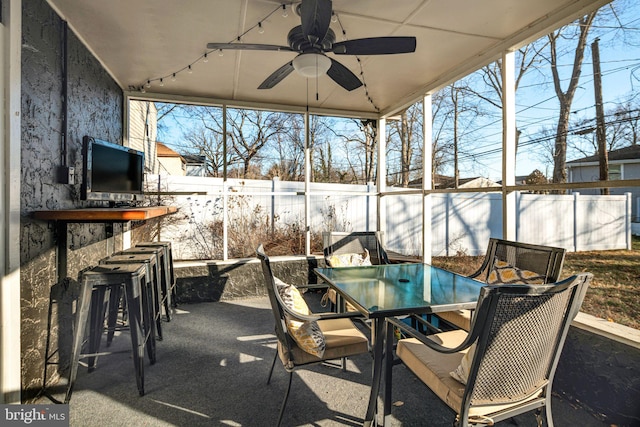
(364, 82)
(260, 29)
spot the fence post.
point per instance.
(225, 220)
(447, 231)
(517, 214)
(370, 189)
(274, 181)
(627, 221)
(576, 196)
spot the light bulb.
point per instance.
(148, 83)
(189, 70)
(173, 77)
(284, 11)
(142, 89)
(205, 58)
(221, 53)
(260, 28)
(334, 18)
(161, 82)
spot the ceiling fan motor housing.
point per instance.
(298, 42)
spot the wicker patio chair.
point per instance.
(337, 244)
(545, 261)
(510, 354)
(339, 337)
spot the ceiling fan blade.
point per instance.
(375, 46)
(277, 76)
(247, 46)
(343, 76)
(316, 18)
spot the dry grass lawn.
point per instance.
(614, 292)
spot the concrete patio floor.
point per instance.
(212, 368)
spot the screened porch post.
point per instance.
(307, 185)
(427, 174)
(225, 194)
(508, 145)
(381, 221)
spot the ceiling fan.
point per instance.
(313, 39)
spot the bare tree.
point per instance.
(566, 97)
(405, 138)
(204, 142)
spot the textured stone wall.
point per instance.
(229, 280)
(94, 108)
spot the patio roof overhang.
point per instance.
(145, 41)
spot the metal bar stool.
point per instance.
(165, 272)
(96, 282)
(172, 278)
(153, 281)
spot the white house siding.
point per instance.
(143, 132)
(591, 172)
(171, 166)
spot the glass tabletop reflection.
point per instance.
(395, 289)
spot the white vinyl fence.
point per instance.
(460, 223)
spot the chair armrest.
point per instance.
(332, 315)
(425, 323)
(313, 286)
(408, 330)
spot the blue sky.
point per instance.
(537, 104)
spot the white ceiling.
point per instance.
(139, 40)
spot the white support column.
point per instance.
(307, 185)
(10, 110)
(427, 156)
(225, 188)
(508, 145)
(381, 222)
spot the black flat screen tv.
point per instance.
(111, 172)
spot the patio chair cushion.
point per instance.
(342, 339)
(307, 334)
(459, 318)
(346, 260)
(434, 369)
(505, 273)
(349, 259)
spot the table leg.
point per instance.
(378, 354)
(389, 361)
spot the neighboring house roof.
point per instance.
(519, 180)
(631, 152)
(192, 159)
(443, 181)
(164, 151)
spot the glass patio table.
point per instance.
(391, 290)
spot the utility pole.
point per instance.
(600, 130)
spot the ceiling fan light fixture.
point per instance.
(311, 65)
